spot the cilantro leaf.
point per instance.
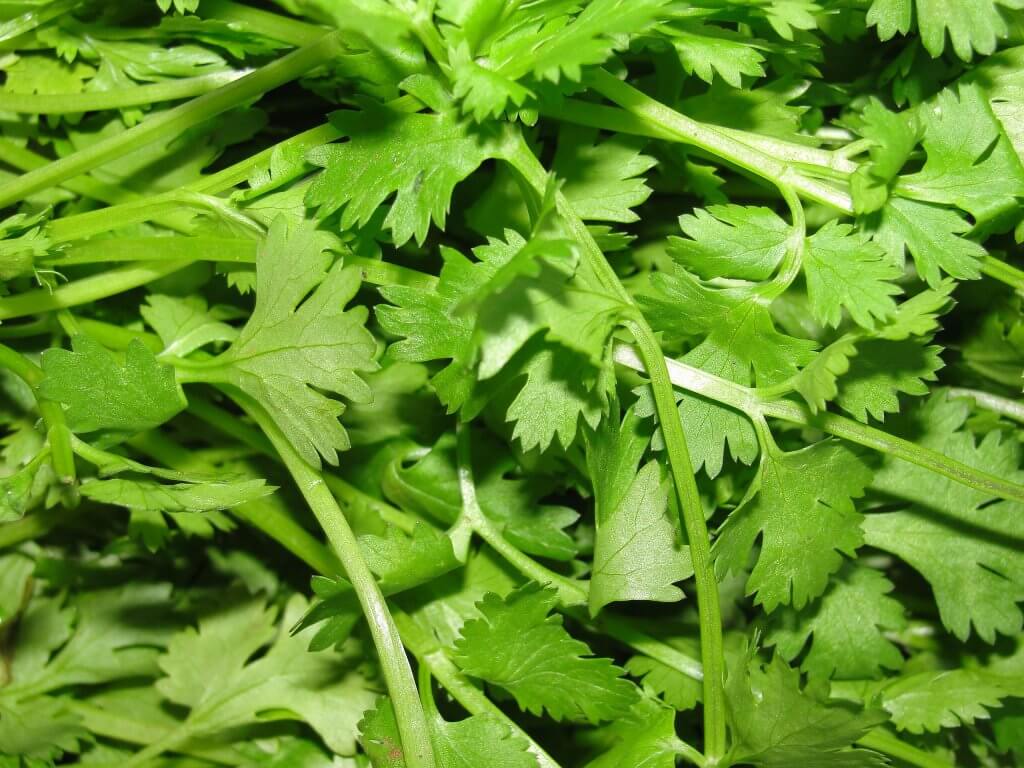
(402, 562)
(970, 162)
(210, 670)
(296, 343)
(419, 158)
(100, 393)
(929, 701)
(603, 180)
(881, 371)
(636, 553)
(845, 628)
(518, 646)
(845, 270)
(743, 242)
(953, 535)
(932, 235)
(801, 507)
(776, 723)
(978, 24)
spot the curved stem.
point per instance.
(412, 723)
(570, 591)
(719, 143)
(71, 103)
(790, 267)
(58, 435)
(173, 122)
(1003, 272)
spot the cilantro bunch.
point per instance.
(511, 383)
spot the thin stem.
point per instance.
(260, 22)
(881, 741)
(570, 592)
(1003, 272)
(1004, 406)
(71, 103)
(173, 122)
(35, 18)
(412, 723)
(86, 290)
(746, 401)
(692, 514)
(687, 752)
(617, 120)
(32, 526)
(166, 743)
(57, 433)
(717, 142)
(691, 510)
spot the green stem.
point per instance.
(1003, 272)
(412, 724)
(617, 120)
(692, 514)
(881, 741)
(1004, 406)
(691, 510)
(173, 122)
(265, 23)
(570, 592)
(717, 142)
(86, 290)
(687, 752)
(58, 435)
(32, 526)
(35, 18)
(152, 93)
(168, 742)
(747, 401)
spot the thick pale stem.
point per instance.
(412, 723)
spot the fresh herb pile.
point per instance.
(511, 383)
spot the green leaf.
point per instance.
(184, 324)
(801, 508)
(519, 647)
(637, 555)
(402, 562)
(775, 723)
(431, 487)
(958, 538)
(845, 270)
(99, 392)
(744, 242)
(881, 371)
(973, 25)
(845, 628)
(933, 236)
(930, 701)
(177, 497)
(115, 636)
(297, 343)
(894, 136)
(970, 162)
(211, 670)
(679, 691)
(603, 180)
(707, 50)
(554, 402)
(478, 740)
(419, 158)
(643, 739)
(41, 729)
